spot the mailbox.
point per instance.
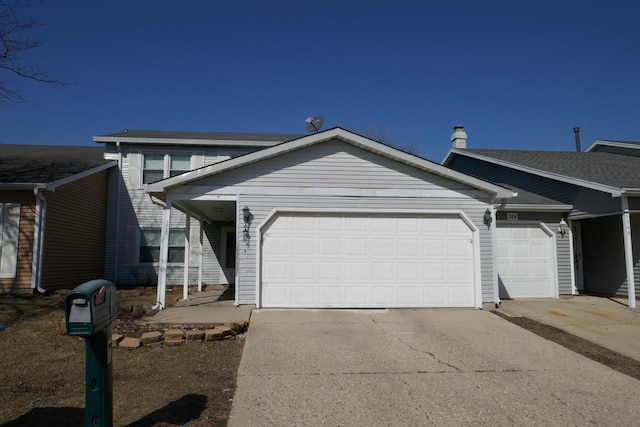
(90, 308)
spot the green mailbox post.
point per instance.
(89, 310)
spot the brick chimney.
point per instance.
(458, 137)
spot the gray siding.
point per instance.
(584, 201)
(333, 164)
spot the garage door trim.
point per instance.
(278, 211)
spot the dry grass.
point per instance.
(43, 372)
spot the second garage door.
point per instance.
(355, 261)
(525, 261)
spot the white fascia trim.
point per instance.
(612, 144)
(631, 192)
(614, 191)
(337, 133)
(534, 208)
(53, 185)
(172, 141)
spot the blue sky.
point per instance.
(517, 74)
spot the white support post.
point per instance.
(628, 252)
(200, 237)
(494, 245)
(164, 255)
(187, 258)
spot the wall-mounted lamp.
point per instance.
(487, 219)
(562, 227)
(246, 216)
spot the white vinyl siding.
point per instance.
(9, 236)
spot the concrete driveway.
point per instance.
(419, 367)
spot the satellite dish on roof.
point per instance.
(314, 123)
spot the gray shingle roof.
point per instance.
(614, 170)
(226, 136)
(41, 164)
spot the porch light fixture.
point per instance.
(487, 218)
(562, 227)
(246, 215)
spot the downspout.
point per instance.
(117, 220)
(38, 241)
(628, 252)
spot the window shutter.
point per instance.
(10, 216)
(134, 169)
(132, 248)
(196, 247)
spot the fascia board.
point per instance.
(21, 185)
(614, 191)
(534, 208)
(631, 192)
(173, 141)
(53, 185)
(612, 144)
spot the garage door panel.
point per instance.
(367, 261)
(525, 261)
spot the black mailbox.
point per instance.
(90, 308)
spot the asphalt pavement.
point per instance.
(432, 367)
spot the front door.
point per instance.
(228, 261)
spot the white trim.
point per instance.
(620, 144)
(628, 252)
(536, 208)
(475, 234)
(164, 252)
(185, 141)
(38, 240)
(237, 276)
(574, 288)
(186, 194)
(200, 260)
(614, 191)
(187, 258)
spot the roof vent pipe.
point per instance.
(458, 137)
(576, 131)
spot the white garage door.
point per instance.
(348, 261)
(525, 262)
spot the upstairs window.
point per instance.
(179, 164)
(159, 166)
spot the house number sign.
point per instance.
(512, 216)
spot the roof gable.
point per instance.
(616, 147)
(361, 142)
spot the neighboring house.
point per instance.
(603, 189)
(331, 219)
(52, 216)
(134, 219)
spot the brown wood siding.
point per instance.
(22, 281)
(75, 232)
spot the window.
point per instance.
(159, 166)
(179, 164)
(9, 237)
(150, 246)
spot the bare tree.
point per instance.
(15, 38)
(384, 136)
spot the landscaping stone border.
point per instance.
(178, 335)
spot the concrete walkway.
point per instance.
(208, 307)
(604, 321)
(433, 367)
